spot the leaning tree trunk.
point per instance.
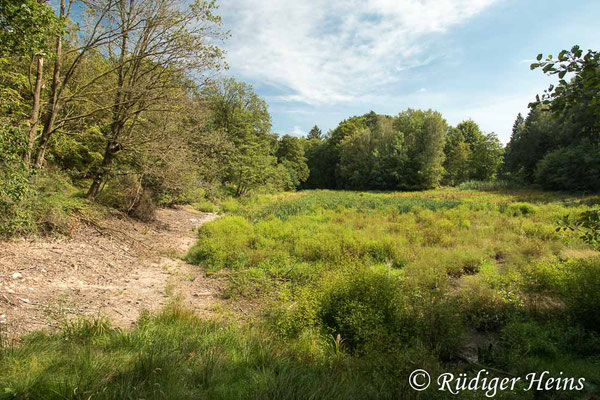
(35, 111)
(117, 125)
(50, 115)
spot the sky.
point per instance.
(318, 62)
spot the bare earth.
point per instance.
(114, 268)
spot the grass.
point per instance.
(353, 292)
(176, 355)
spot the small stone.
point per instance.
(26, 301)
(17, 275)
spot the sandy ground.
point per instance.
(114, 268)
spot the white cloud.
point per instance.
(297, 131)
(334, 51)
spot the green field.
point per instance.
(349, 293)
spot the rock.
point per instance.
(17, 275)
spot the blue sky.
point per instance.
(321, 61)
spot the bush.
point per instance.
(581, 291)
(16, 195)
(575, 167)
(366, 309)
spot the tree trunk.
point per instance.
(109, 153)
(112, 145)
(35, 111)
(50, 115)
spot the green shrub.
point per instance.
(485, 308)
(366, 309)
(575, 167)
(517, 209)
(581, 291)
(16, 196)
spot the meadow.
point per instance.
(349, 292)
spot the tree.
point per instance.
(320, 158)
(486, 158)
(315, 133)
(67, 63)
(290, 153)
(424, 139)
(161, 43)
(244, 117)
(530, 142)
(458, 152)
(576, 99)
(25, 26)
(371, 157)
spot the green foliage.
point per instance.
(252, 164)
(315, 133)
(556, 145)
(424, 138)
(26, 26)
(367, 310)
(392, 271)
(492, 185)
(576, 98)
(575, 168)
(586, 224)
(471, 154)
(290, 153)
(581, 291)
(15, 196)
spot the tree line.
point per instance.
(557, 146)
(414, 150)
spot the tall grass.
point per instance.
(176, 355)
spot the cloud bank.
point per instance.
(326, 52)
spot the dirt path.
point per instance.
(115, 268)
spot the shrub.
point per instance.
(16, 195)
(581, 291)
(576, 167)
(367, 309)
(485, 309)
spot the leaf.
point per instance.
(540, 56)
(562, 56)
